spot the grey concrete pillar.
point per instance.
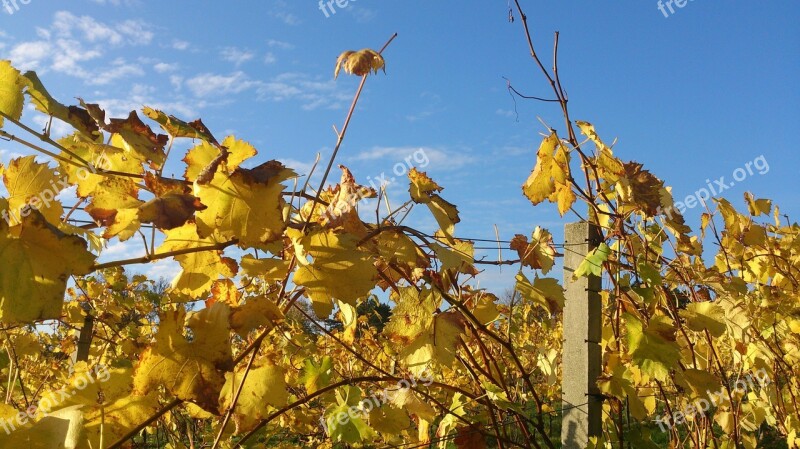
(581, 404)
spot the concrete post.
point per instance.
(582, 407)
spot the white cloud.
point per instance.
(163, 67)
(270, 58)
(287, 18)
(311, 92)
(119, 69)
(176, 81)
(281, 45)
(363, 15)
(180, 45)
(145, 95)
(421, 157)
(236, 56)
(72, 41)
(30, 55)
(68, 25)
(209, 84)
(505, 113)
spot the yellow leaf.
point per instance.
(246, 205)
(546, 293)
(757, 207)
(11, 98)
(192, 371)
(360, 62)
(389, 420)
(40, 259)
(423, 191)
(701, 316)
(257, 312)
(340, 270)
(263, 387)
(268, 269)
(115, 205)
(435, 345)
(121, 409)
(30, 186)
(100, 156)
(551, 171)
(198, 158)
(199, 269)
(539, 254)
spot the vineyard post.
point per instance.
(581, 403)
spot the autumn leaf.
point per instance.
(199, 269)
(539, 254)
(550, 178)
(423, 191)
(11, 85)
(246, 205)
(190, 370)
(360, 62)
(177, 128)
(32, 287)
(32, 185)
(264, 389)
(340, 270)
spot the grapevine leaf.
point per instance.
(32, 287)
(32, 186)
(423, 191)
(549, 179)
(702, 316)
(11, 85)
(545, 293)
(360, 62)
(593, 263)
(190, 370)
(340, 270)
(77, 117)
(247, 205)
(263, 387)
(317, 376)
(199, 269)
(652, 348)
(200, 156)
(176, 127)
(539, 254)
(389, 419)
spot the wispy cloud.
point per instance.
(311, 93)
(178, 44)
(163, 67)
(281, 45)
(73, 41)
(209, 84)
(439, 158)
(236, 56)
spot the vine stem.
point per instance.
(236, 396)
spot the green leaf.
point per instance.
(593, 263)
(705, 316)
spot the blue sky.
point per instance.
(693, 96)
